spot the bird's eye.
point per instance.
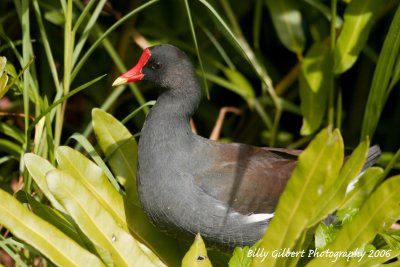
(156, 66)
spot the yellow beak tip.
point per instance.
(119, 81)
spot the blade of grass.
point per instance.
(133, 113)
(46, 45)
(380, 83)
(51, 107)
(88, 27)
(197, 47)
(14, 255)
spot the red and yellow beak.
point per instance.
(135, 74)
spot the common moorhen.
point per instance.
(189, 184)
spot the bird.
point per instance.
(188, 184)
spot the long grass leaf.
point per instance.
(46, 45)
(379, 89)
(196, 46)
(88, 27)
(56, 103)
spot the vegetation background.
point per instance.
(291, 67)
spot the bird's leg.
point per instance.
(215, 134)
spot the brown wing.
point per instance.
(250, 179)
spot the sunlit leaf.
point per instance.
(197, 254)
(94, 179)
(336, 188)
(120, 149)
(40, 234)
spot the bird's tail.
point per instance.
(374, 153)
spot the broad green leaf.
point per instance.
(197, 254)
(336, 188)
(93, 178)
(315, 81)
(96, 222)
(358, 20)
(366, 224)
(120, 148)
(38, 167)
(43, 236)
(380, 88)
(362, 188)
(297, 206)
(287, 21)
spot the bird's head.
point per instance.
(165, 65)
